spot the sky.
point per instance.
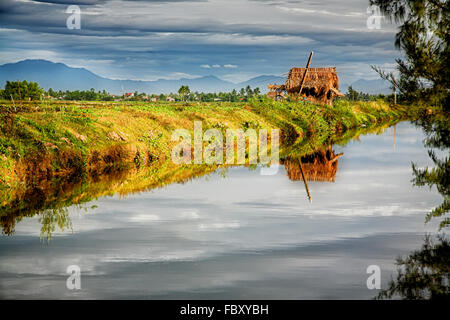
(234, 40)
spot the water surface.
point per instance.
(236, 234)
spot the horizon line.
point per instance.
(165, 79)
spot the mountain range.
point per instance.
(59, 76)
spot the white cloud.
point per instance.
(179, 75)
(207, 66)
(219, 225)
(149, 40)
(144, 217)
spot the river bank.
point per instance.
(57, 140)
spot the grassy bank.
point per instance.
(57, 139)
(53, 155)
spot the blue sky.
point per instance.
(232, 39)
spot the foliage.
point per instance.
(437, 131)
(22, 90)
(424, 274)
(183, 92)
(80, 95)
(423, 38)
(354, 95)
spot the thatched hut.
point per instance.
(321, 85)
(319, 166)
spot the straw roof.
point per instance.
(319, 166)
(321, 84)
(318, 78)
(276, 87)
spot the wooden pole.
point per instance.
(306, 71)
(304, 179)
(15, 109)
(395, 93)
(20, 97)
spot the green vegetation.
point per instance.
(184, 94)
(423, 274)
(437, 132)
(422, 37)
(354, 95)
(21, 90)
(80, 95)
(424, 31)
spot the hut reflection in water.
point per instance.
(319, 166)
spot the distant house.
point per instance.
(154, 99)
(217, 99)
(129, 94)
(170, 99)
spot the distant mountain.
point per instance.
(378, 86)
(261, 82)
(204, 84)
(55, 75)
(59, 76)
